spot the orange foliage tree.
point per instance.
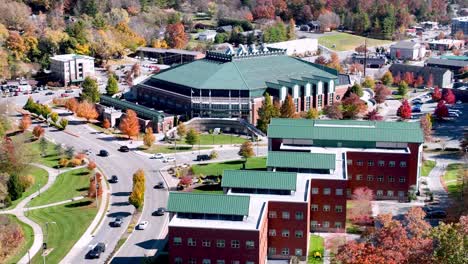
(25, 122)
(175, 36)
(87, 110)
(38, 131)
(129, 124)
(71, 105)
(106, 123)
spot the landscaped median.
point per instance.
(452, 179)
(316, 244)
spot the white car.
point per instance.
(142, 225)
(169, 159)
(158, 156)
(452, 114)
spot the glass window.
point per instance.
(206, 261)
(315, 190)
(349, 162)
(379, 193)
(381, 163)
(339, 192)
(391, 179)
(402, 179)
(380, 178)
(272, 214)
(326, 224)
(220, 243)
(370, 163)
(326, 191)
(370, 177)
(271, 251)
(249, 262)
(285, 233)
(403, 164)
(391, 164)
(250, 244)
(326, 208)
(360, 163)
(178, 260)
(235, 244)
(220, 261)
(285, 252)
(313, 224)
(191, 242)
(192, 261)
(338, 208)
(272, 232)
(235, 262)
(285, 215)
(348, 192)
(299, 233)
(206, 243)
(359, 177)
(314, 207)
(401, 194)
(350, 176)
(298, 252)
(390, 193)
(337, 224)
(177, 241)
(299, 215)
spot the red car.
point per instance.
(64, 95)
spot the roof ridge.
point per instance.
(240, 74)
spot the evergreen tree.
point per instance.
(90, 8)
(288, 109)
(112, 85)
(90, 90)
(15, 189)
(265, 113)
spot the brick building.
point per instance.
(311, 172)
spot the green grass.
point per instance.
(51, 157)
(345, 41)
(27, 243)
(71, 219)
(450, 178)
(222, 139)
(316, 244)
(428, 165)
(40, 179)
(67, 185)
(216, 169)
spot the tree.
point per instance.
(387, 78)
(265, 113)
(87, 110)
(106, 123)
(288, 109)
(136, 70)
(361, 49)
(459, 35)
(181, 129)
(90, 90)
(436, 94)
(38, 131)
(430, 81)
(419, 81)
(175, 36)
(356, 68)
(214, 155)
(352, 106)
(112, 85)
(43, 146)
(334, 111)
(381, 93)
(149, 138)
(357, 89)
(408, 78)
(138, 191)
(404, 111)
(368, 82)
(129, 124)
(26, 181)
(402, 88)
(397, 78)
(246, 151)
(373, 116)
(192, 137)
(63, 123)
(320, 60)
(291, 29)
(91, 165)
(71, 104)
(25, 123)
(186, 181)
(312, 114)
(441, 110)
(450, 242)
(70, 152)
(54, 117)
(334, 62)
(362, 208)
(448, 96)
(426, 125)
(58, 149)
(15, 190)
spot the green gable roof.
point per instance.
(346, 130)
(301, 160)
(247, 73)
(259, 180)
(181, 202)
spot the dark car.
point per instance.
(160, 185)
(124, 149)
(97, 250)
(436, 214)
(69, 91)
(160, 211)
(103, 153)
(114, 179)
(117, 222)
(49, 93)
(416, 110)
(203, 157)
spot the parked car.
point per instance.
(117, 222)
(69, 91)
(160, 185)
(416, 109)
(49, 93)
(103, 153)
(169, 159)
(142, 225)
(97, 250)
(452, 114)
(157, 156)
(436, 214)
(160, 211)
(203, 157)
(114, 179)
(455, 111)
(64, 95)
(124, 149)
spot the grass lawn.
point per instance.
(428, 165)
(222, 139)
(450, 178)
(216, 169)
(68, 185)
(71, 219)
(166, 149)
(33, 152)
(27, 243)
(316, 244)
(40, 179)
(345, 41)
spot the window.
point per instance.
(319, 100)
(299, 234)
(220, 243)
(307, 105)
(339, 192)
(391, 164)
(360, 162)
(272, 214)
(391, 179)
(326, 208)
(285, 215)
(380, 178)
(379, 193)
(271, 251)
(381, 163)
(298, 252)
(235, 244)
(178, 260)
(350, 177)
(326, 191)
(220, 261)
(285, 233)
(349, 162)
(235, 262)
(285, 252)
(191, 242)
(370, 177)
(348, 192)
(315, 190)
(326, 224)
(337, 224)
(401, 194)
(250, 244)
(390, 193)
(206, 261)
(177, 241)
(249, 262)
(338, 208)
(206, 243)
(359, 177)
(313, 224)
(314, 207)
(370, 163)
(192, 261)
(402, 179)
(403, 164)
(299, 215)
(272, 232)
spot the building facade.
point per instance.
(407, 50)
(460, 24)
(71, 68)
(441, 77)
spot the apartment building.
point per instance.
(71, 68)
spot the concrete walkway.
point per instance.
(434, 179)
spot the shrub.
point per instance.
(63, 123)
(26, 181)
(75, 162)
(214, 154)
(63, 162)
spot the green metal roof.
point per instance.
(346, 130)
(142, 111)
(453, 57)
(182, 202)
(259, 180)
(242, 73)
(302, 160)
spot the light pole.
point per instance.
(46, 239)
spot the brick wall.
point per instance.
(320, 199)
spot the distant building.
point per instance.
(224, 29)
(453, 63)
(407, 50)
(71, 68)
(430, 25)
(297, 46)
(441, 77)
(370, 61)
(208, 35)
(460, 24)
(169, 56)
(446, 44)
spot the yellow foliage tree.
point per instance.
(149, 138)
(161, 44)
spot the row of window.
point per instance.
(327, 191)
(286, 215)
(324, 224)
(220, 243)
(379, 178)
(380, 163)
(390, 193)
(179, 260)
(284, 251)
(326, 208)
(285, 233)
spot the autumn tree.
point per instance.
(334, 62)
(459, 35)
(381, 93)
(362, 208)
(373, 116)
(361, 49)
(448, 96)
(353, 106)
(246, 151)
(112, 85)
(137, 196)
(320, 60)
(87, 111)
(402, 88)
(426, 125)
(397, 78)
(313, 113)
(106, 123)
(71, 104)
(334, 111)
(409, 78)
(430, 81)
(419, 81)
(192, 137)
(149, 138)
(136, 70)
(265, 113)
(356, 68)
(288, 109)
(441, 110)
(356, 89)
(181, 129)
(186, 181)
(387, 78)
(175, 36)
(25, 123)
(129, 124)
(291, 34)
(404, 111)
(450, 242)
(38, 131)
(368, 82)
(436, 94)
(90, 90)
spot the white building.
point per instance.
(297, 46)
(71, 68)
(208, 35)
(407, 50)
